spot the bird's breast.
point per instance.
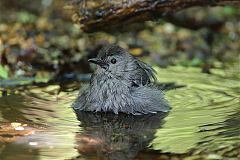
(109, 93)
(112, 87)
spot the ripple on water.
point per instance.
(205, 118)
(200, 113)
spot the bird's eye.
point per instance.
(113, 60)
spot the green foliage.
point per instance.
(26, 17)
(195, 62)
(229, 10)
(3, 72)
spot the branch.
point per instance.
(97, 15)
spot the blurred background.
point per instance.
(40, 40)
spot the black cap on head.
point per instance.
(110, 50)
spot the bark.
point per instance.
(97, 15)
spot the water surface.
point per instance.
(204, 121)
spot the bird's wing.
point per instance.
(148, 69)
(148, 99)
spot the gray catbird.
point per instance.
(121, 83)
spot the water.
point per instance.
(204, 121)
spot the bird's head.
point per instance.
(113, 59)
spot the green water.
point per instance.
(204, 120)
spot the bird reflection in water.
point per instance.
(110, 136)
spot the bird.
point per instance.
(121, 83)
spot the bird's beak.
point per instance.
(99, 62)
